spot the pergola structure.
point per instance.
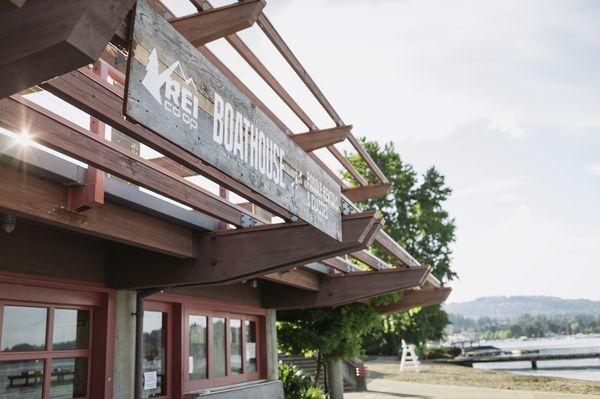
(103, 214)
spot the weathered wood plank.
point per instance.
(70, 139)
(236, 255)
(105, 102)
(346, 288)
(46, 38)
(215, 121)
(314, 140)
(204, 27)
(417, 298)
(38, 199)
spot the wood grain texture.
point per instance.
(370, 260)
(346, 288)
(298, 278)
(204, 27)
(314, 140)
(38, 199)
(237, 255)
(105, 102)
(417, 298)
(70, 139)
(152, 33)
(363, 193)
(46, 38)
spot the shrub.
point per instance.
(441, 352)
(296, 384)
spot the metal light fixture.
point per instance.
(8, 222)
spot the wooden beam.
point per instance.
(392, 247)
(70, 139)
(173, 166)
(206, 26)
(417, 298)
(10, 5)
(371, 260)
(98, 98)
(43, 39)
(270, 31)
(342, 265)
(357, 194)
(346, 288)
(38, 199)
(298, 278)
(314, 140)
(237, 255)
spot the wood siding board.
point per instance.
(239, 255)
(153, 32)
(346, 288)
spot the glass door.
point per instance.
(157, 349)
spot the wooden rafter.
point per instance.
(59, 38)
(314, 140)
(105, 102)
(363, 193)
(64, 136)
(204, 27)
(346, 288)
(10, 5)
(38, 199)
(370, 260)
(342, 265)
(298, 278)
(270, 31)
(236, 255)
(417, 298)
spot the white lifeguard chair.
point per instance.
(409, 355)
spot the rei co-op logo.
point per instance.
(178, 99)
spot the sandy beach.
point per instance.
(385, 381)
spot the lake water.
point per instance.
(583, 369)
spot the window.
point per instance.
(44, 351)
(221, 349)
(154, 361)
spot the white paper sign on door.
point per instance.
(150, 380)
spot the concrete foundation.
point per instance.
(124, 361)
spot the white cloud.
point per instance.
(595, 168)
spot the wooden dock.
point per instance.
(533, 358)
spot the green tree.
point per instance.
(417, 219)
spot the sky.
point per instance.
(502, 97)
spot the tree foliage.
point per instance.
(416, 218)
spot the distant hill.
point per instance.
(506, 307)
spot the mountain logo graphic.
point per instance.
(176, 93)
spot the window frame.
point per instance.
(165, 307)
(229, 378)
(49, 353)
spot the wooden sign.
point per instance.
(176, 92)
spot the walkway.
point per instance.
(390, 389)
